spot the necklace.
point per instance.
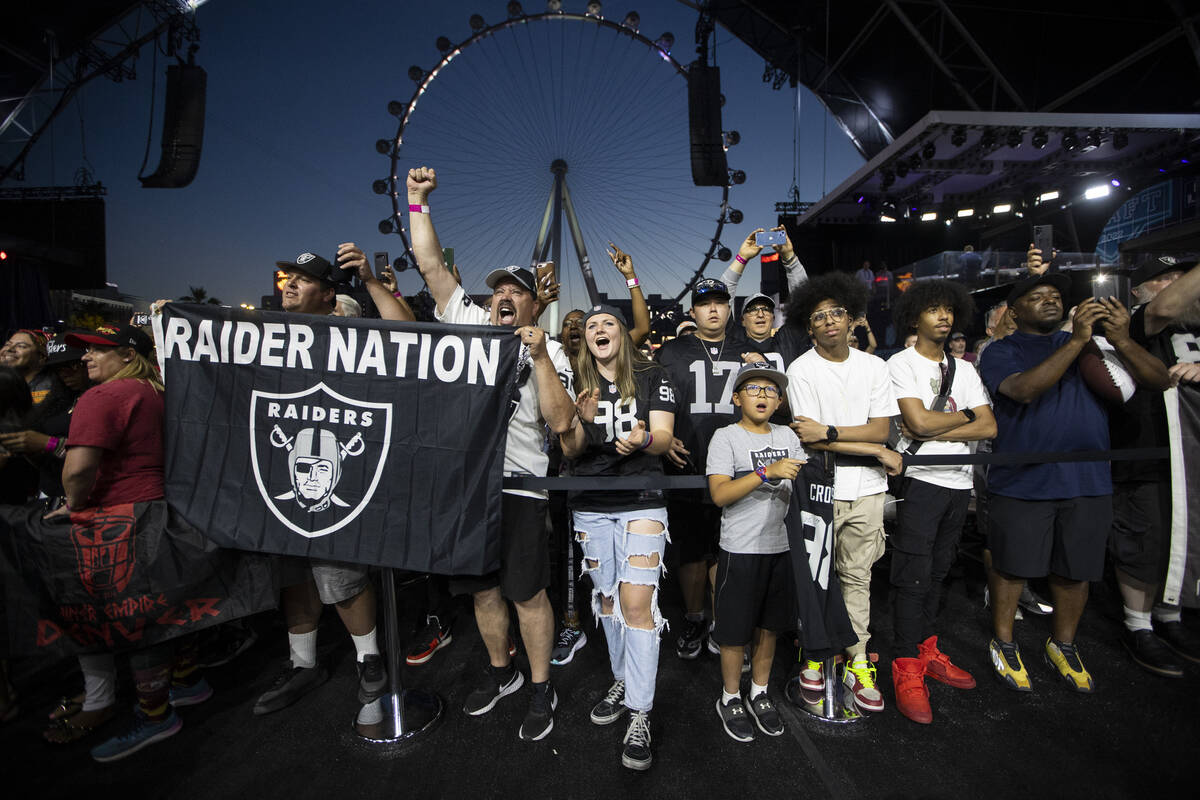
(716, 369)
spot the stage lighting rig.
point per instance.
(1039, 139)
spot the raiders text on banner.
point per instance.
(354, 440)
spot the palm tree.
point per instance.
(199, 295)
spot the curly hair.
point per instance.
(923, 295)
(839, 287)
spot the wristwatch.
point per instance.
(968, 413)
(831, 434)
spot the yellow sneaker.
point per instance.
(1006, 661)
(1065, 658)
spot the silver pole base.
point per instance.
(399, 717)
(833, 705)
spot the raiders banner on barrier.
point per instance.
(119, 577)
(355, 440)
(1182, 585)
(822, 620)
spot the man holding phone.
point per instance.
(787, 343)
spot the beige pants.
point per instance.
(858, 543)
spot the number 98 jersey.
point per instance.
(613, 421)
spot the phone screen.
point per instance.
(1109, 285)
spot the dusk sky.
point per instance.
(297, 97)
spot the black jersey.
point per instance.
(703, 374)
(613, 421)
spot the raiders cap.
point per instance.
(113, 336)
(313, 266)
(514, 273)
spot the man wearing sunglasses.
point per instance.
(842, 401)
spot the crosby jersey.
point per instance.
(703, 374)
(616, 420)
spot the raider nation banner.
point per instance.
(1182, 585)
(119, 577)
(355, 440)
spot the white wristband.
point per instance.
(632, 282)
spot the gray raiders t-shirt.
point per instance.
(754, 524)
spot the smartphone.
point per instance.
(381, 265)
(448, 257)
(1110, 285)
(770, 238)
(1043, 239)
(140, 320)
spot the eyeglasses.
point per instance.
(835, 314)
(755, 390)
(758, 310)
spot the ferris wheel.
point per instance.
(554, 134)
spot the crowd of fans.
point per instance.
(745, 403)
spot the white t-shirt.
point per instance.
(525, 452)
(844, 393)
(914, 375)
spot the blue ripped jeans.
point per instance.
(607, 547)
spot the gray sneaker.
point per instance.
(570, 641)
(290, 685)
(735, 721)
(372, 678)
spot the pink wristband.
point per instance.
(738, 258)
(51, 444)
(414, 208)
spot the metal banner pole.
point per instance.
(402, 713)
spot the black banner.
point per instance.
(118, 578)
(1182, 586)
(822, 620)
(353, 440)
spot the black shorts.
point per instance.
(695, 527)
(1141, 529)
(753, 591)
(1035, 538)
(524, 552)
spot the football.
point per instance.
(1104, 373)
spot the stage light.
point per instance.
(860, 199)
(959, 137)
(1003, 208)
(1039, 138)
(632, 21)
(383, 146)
(380, 186)
(1096, 192)
(929, 216)
(949, 222)
(736, 176)
(1120, 140)
(665, 42)
(886, 218)
(1046, 197)
(732, 138)
(988, 139)
(1070, 141)
(400, 264)
(723, 253)
(928, 151)
(965, 212)
(3, 255)
(735, 216)
(514, 10)
(1014, 138)
(443, 44)
(1095, 138)
(593, 10)
(1116, 183)
(477, 23)
(386, 226)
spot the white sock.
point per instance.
(756, 690)
(99, 681)
(302, 647)
(1137, 620)
(1165, 613)
(726, 697)
(365, 645)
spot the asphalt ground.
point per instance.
(1136, 736)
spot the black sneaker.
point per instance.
(691, 640)
(539, 719)
(765, 716)
(1150, 653)
(290, 685)
(734, 720)
(710, 642)
(496, 682)
(570, 641)
(372, 678)
(610, 709)
(1179, 639)
(1033, 603)
(427, 641)
(227, 643)
(636, 754)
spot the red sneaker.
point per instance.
(938, 666)
(912, 695)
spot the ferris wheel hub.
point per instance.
(558, 166)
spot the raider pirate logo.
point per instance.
(318, 456)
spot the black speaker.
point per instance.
(704, 125)
(183, 128)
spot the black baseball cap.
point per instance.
(113, 336)
(1026, 285)
(1157, 266)
(709, 287)
(60, 351)
(512, 272)
(313, 266)
(605, 309)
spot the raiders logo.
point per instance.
(317, 455)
